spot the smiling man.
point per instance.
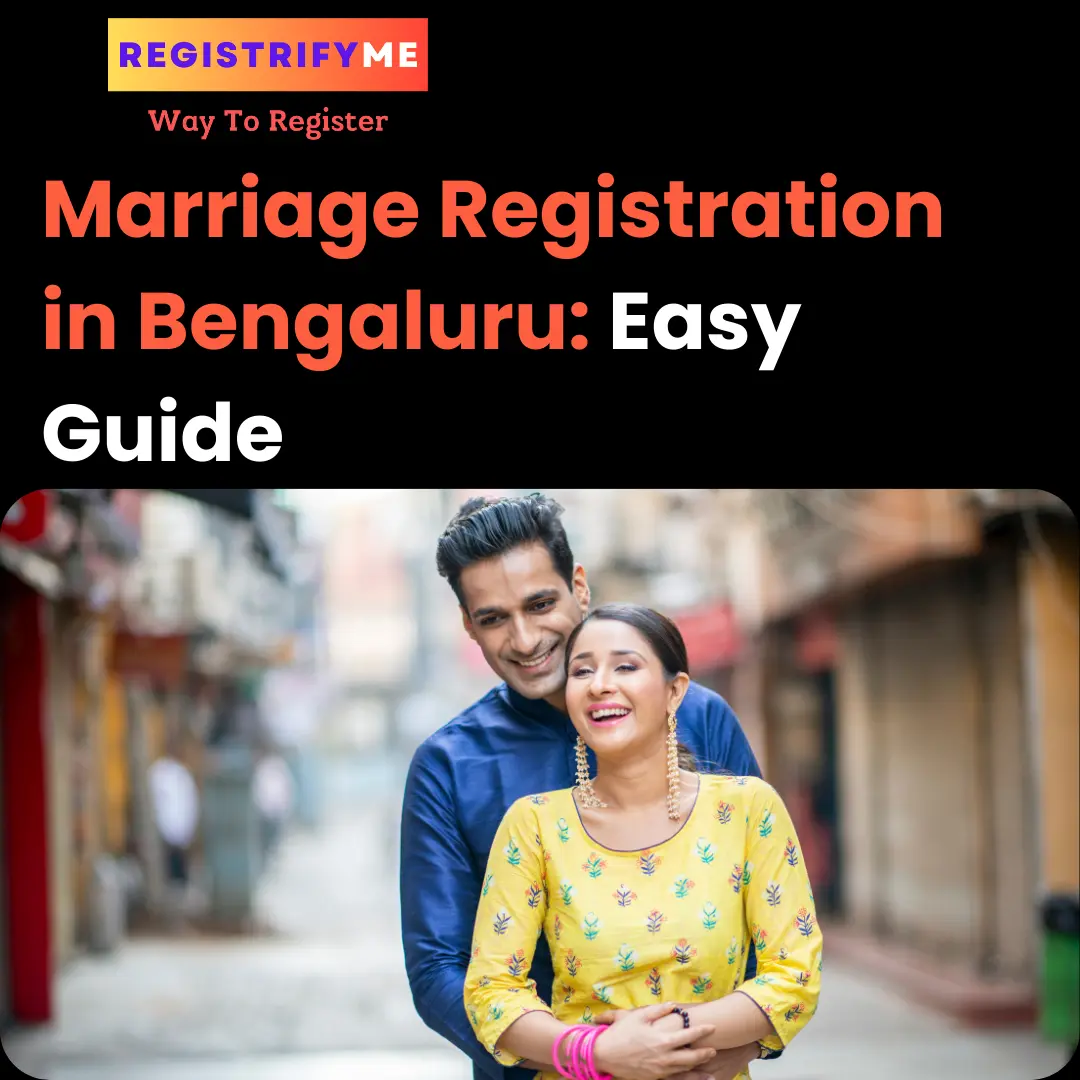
(521, 594)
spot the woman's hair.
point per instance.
(664, 639)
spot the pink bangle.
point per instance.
(573, 1033)
(579, 1053)
(576, 1058)
(584, 1051)
(589, 1057)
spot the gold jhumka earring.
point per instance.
(584, 780)
(674, 799)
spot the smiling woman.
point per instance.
(649, 884)
(614, 706)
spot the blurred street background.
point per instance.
(209, 699)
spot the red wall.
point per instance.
(23, 790)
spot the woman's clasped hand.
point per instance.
(650, 1043)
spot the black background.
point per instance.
(912, 361)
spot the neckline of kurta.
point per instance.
(651, 847)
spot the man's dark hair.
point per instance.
(487, 528)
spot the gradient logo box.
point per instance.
(267, 54)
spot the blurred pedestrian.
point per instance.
(521, 595)
(175, 799)
(273, 791)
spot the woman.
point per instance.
(651, 883)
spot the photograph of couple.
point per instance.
(453, 783)
(596, 881)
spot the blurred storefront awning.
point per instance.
(163, 659)
(817, 642)
(68, 542)
(35, 537)
(26, 520)
(712, 636)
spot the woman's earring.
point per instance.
(674, 799)
(584, 781)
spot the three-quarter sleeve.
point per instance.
(780, 914)
(509, 920)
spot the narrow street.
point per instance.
(326, 994)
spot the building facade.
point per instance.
(112, 606)
(917, 644)
(62, 556)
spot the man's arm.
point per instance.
(439, 894)
(728, 743)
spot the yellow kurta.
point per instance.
(631, 928)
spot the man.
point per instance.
(510, 566)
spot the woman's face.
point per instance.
(617, 694)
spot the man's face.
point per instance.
(520, 612)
